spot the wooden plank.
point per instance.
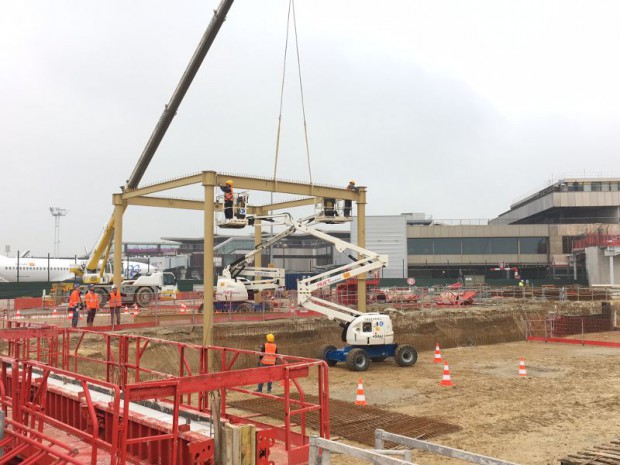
(248, 445)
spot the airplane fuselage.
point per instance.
(53, 269)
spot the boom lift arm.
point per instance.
(367, 261)
(235, 268)
(104, 243)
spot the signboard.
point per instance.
(411, 281)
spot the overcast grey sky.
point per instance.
(452, 108)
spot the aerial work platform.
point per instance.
(82, 397)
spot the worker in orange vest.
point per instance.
(92, 304)
(115, 303)
(268, 358)
(75, 302)
(229, 197)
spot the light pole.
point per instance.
(57, 213)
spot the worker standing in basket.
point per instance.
(229, 197)
(75, 302)
(268, 359)
(347, 203)
(92, 305)
(115, 302)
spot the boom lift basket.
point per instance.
(239, 219)
(331, 211)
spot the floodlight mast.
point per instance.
(57, 213)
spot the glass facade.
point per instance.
(447, 246)
(532, 245)
(477, 246)
(420, 246)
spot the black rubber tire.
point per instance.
(245, 308)
(378, 359)
(323, 353)
(358, 360)
(405, 356)
(144, 296)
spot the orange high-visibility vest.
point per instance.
(75, 298)
(92, 300)
(270, 354)
(116, 299)
(229, 195)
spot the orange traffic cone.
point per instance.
(69, 314)
(446, 381)
(18, 314)
(183, 308)
(126, 312)
(360, 399)
(54, 314)
(135, 310)
(437, 358)
(292, 307)
(522, 371)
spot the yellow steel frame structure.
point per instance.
(210, 180)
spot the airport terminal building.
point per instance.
(565, 232)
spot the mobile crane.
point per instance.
(369, 336)
(95, 273)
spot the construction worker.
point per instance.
(268, 359)
(347, 203)
(229, 197)
(115, 302)
(75, 303)
(92, 304)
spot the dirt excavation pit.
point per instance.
(569, 400)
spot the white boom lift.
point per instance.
(233, 286)
(369, 335)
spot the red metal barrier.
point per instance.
(73, 417)
(571, 329)
(22, 303)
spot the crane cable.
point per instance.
(291, 9)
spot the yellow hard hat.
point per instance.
(229, 182)
(352, 181)
(270, 338)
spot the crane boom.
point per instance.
(157, 136)
(170, 110)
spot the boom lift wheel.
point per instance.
(405, 356)
(358, 360)
(323, 351)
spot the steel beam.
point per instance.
(163, 186)
(249, 183)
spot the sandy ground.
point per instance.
(570, 399)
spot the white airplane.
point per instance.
(55, 269)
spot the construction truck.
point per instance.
(140, 291)
(368, 335)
